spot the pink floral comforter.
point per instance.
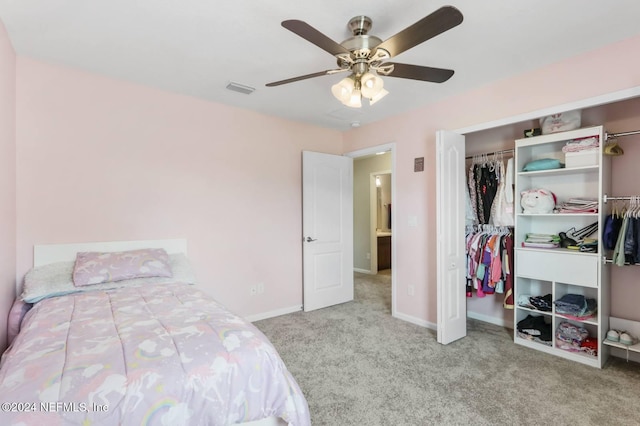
(154, 355)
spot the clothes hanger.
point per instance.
(612, 148)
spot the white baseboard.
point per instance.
(272, 314)
(364, 271)
(416, 321)
(491, 320)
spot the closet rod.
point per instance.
(626, 263)
(620, 134)
(504, 151)
(606, 198)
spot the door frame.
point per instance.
(607, 98)
(391, 147)
(373, 219)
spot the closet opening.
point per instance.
(489, 226)
(618, 113)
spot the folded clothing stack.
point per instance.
(541, 303)
(575, 338)
(535, 328)
(541, 240)
(576, 306)
(582, 144)
(579, 205)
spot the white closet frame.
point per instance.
(450, 301)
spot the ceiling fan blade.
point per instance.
(428, 27)
(314, 36)
(304, 77)
(417, 72)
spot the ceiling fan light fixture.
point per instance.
(354, 101)
(371, 85)
(378, 96)
(343, 89)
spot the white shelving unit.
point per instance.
(539, 272)
(630, 352)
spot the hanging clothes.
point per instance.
(490, 262)
(502, 211)
(471, 189)
(490, 191)
(626, 234)
(486, 186)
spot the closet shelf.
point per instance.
(557, 250)
(560, 172)
(534, 311)
(628, 348)
(592, 321)
(556, 215)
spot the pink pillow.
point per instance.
(97, 267)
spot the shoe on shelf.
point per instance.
(626, 339)
(613, 336)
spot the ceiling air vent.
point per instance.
(237, 87)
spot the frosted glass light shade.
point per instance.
(355, 101)
(371, 85)
(343, 89)
(379, 96)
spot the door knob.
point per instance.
(309, 239)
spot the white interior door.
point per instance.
(452, 303)
(327, 226)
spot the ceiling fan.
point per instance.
(364, 55)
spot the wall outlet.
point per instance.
(368, 255)
(260, 288)
(411, 290)
(253, 290)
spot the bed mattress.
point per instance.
(158, 354)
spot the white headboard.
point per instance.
(49, 253)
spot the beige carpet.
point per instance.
(359, 366)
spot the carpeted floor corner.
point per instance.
(357, 365)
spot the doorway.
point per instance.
(372, 205)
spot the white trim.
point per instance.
(49, 253)
(491, 320)
(371, 150)
(272, 314)
(391, 146)
(416, 321)
(607, 98)
(373, 224)
(364, 271)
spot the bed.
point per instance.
(156, 351)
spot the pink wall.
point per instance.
(7, 180)
(100, 160)
(574, 79)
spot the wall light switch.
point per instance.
(413, 221)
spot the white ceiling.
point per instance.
(196, 47)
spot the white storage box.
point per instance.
(588, 157)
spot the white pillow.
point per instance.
(56, 279)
